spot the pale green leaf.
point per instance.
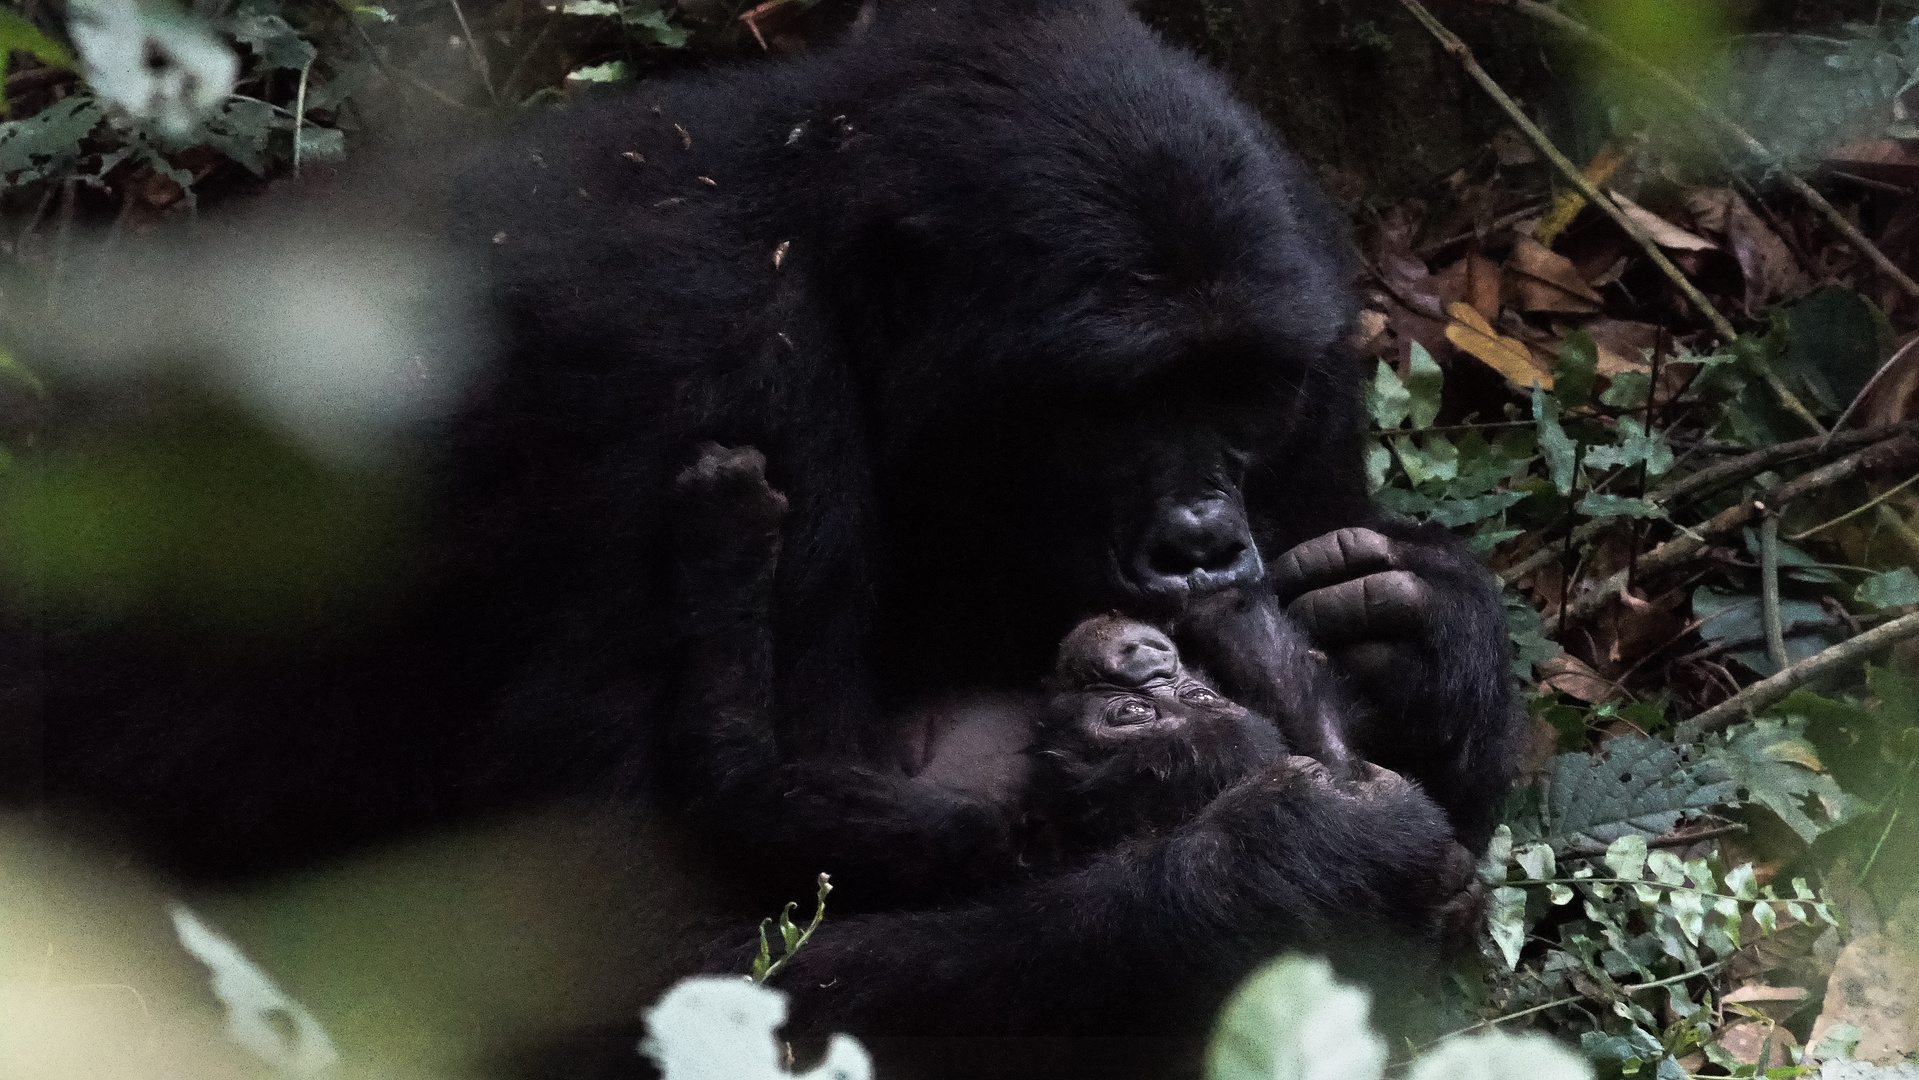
(1293, 1021)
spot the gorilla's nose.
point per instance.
(1197, 546)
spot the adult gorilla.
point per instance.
(1030, 321)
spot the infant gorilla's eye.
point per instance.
(1197, 694)
(1130, 711)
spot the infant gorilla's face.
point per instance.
(1119, 680)
(1132, 741)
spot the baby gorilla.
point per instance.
(1132, 741)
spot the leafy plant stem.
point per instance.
(1755, 698)
(1769, 591)
(1576, 998)
(1744, 138)
(1720, 324)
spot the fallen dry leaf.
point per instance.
(1474, 280)
(1768, 266)
(1473, 334)
(1875, 988)
(1569, 675)
(1749, 1039)
(1663, 232)
(1893, 162)
(1776, 1002)
(1542, 280)
(1623, 344)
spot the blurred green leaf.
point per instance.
(1426, 383)
(1388, 401)
(1889, 589)
(1574, 370)
(1293, 1021)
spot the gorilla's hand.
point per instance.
(1414, 624)
(1353, 595)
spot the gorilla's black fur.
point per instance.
(1031, 321)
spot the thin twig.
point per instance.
(1720, 324)
(1857, 510)
(1686, 546)
(300, 114)
(1595, 851)
(1767, 692)
(479, 56)
(1732, 471)
(1769, 590)
(1897, 354)
(1752, 146)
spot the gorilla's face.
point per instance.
(1041, 508)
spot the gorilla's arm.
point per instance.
(1149, 937)
(1412, 621)
(889, 837)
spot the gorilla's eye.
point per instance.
(1198, 695)
(1130, 711)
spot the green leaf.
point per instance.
(1387, 400)
(1379, 461)
(1426, 383)
(1293, 1021)
(1437, 459)
(1453, 513)
(789, 934)
(1506, 922)
(273, 41)
(1741, 883)
(1890, 589)
(1536, 860)
(1628, 390)
(1594, 504)
(19, 35)
(613, 71)
(1499, 1056)
(1574, 368)
(1642, 786)
(1561, 455)
(1636, 445)
(589, 7)
(321, 143)
(371, 15)
(658, 29)
(46, 144)
(1626, 857)
(1776, 767)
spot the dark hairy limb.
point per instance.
(1412, 623)
(1288, 858)
(891, 837)
(1263, 660)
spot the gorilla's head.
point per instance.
(1083, 321)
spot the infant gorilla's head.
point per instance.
(1133, 740)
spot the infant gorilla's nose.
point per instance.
(1116, 650)
(1139, 655)
(1194, 547)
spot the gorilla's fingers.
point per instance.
(1337, 556)
(1388, 605)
